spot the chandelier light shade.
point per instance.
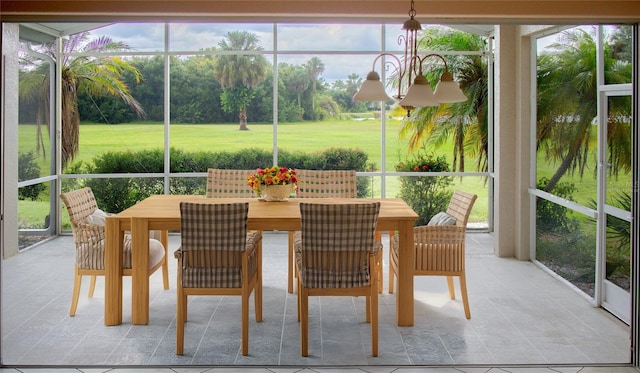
(419, 94)
(448, 91)
(372, 89)
(418, 91)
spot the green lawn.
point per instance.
(96, 139)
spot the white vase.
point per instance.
(276, 192)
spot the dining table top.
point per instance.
(282, 215)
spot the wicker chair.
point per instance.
(326, 184)
(87, 224)
(228, 183)
(218, 256)
(440, 249)
(334, 255)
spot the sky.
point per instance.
(297, 43)
(322, 40)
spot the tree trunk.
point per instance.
(243, 119)
(564, 166)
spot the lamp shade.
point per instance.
(419, 94)
(372, 89)
(448, 91)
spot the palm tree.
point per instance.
(567, 104)
(466, 122)
(298, 82)
(240, 73)
(314, 67)
(90, 72)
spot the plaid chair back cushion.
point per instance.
(336, 240)
(213, 239)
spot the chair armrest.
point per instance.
(253, 239)
(89, 233)
(439, 234)
(377, 246)
(177, 254)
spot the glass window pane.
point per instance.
(34, 214)
(143, 37)
(203, 36)
(566, 244)
(328, 37)
(429, 195)
(618, 44)
(566, 116)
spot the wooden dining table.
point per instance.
(162, 213)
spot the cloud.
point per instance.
(297, 43)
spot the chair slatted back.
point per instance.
(80, 204)
(228, 183)
(327, 183)
(460, 206)
(336, 242)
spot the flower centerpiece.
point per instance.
(273, 183)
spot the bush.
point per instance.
(28, 169)
(117, 194)
(552, 217)
(426, 195)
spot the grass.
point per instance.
(96, 139)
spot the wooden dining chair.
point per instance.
(218, 256)
(439, 247)
(325, 184)
(335, 255)
(87, 225)
(223, 183)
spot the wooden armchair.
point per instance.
(218, 256)
(87, 224)
(440, 249)
(335, 255)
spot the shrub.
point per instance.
(28, 169)
(550, 216)
(116, 194)
(427, 195)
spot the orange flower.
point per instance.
(272, 176)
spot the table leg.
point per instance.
(139, 271)
(404, 295)
(291, 269)
(165, 264)
(113, 252)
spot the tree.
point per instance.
(91, 72)
(568, 104)
(465, 122)
(314, 68)
(240, 73)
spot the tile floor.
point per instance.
(523, 320)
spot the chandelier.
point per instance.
(418, 94)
